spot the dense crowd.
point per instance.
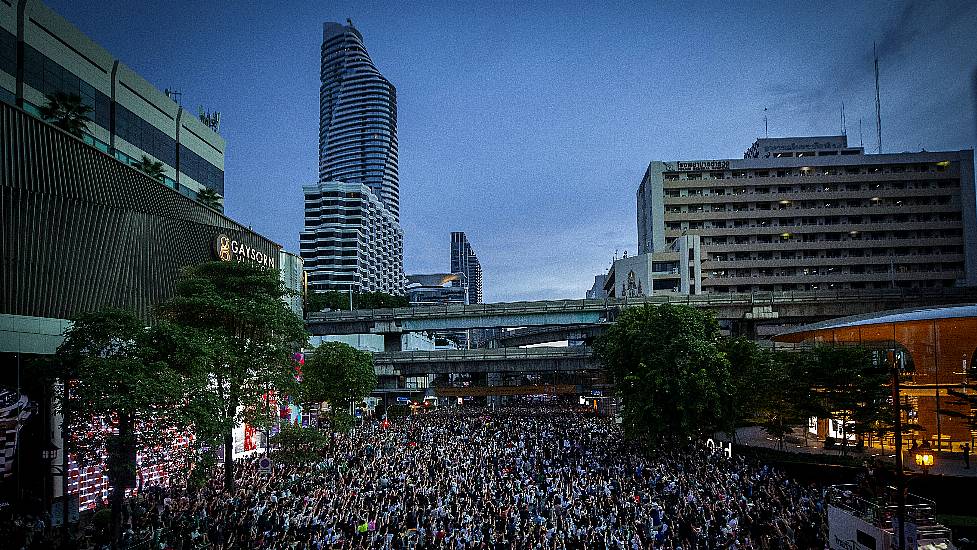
(513, 478)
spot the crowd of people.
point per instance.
(469, 478)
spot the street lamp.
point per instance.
(49, 452)
(923, 455)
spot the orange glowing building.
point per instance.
(935, 350)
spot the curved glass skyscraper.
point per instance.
(358, 117)
(352, 238)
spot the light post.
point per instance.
(900, 474)
(50, 453)
(923, 455)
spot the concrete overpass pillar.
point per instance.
(393, 341)
(493, 379)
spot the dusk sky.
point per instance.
(530, 125)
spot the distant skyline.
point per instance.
(529, 127)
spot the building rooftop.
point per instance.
(435, 279)
(895, 316)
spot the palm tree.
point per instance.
(209, 198)
(150, 167)
(66, 111)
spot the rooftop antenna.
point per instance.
(349, 21)
(766, 133)
(844, 128)
(174, 95)
(878, 105)
(861, 143)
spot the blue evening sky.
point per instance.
(529, 125)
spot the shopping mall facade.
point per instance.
(83, 231)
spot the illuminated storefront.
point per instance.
(935, 351)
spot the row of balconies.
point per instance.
(886, 260)
(795, 245)
(844, 231)
(776, 197)
(709, 279)
(797, 175)
(796, 212)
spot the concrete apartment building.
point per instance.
(812, 213)
(351, 240)
(677, 270)
(42, 53)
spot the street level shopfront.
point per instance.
(934, 350)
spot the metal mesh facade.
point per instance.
(81, 231)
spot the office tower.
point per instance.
(464, 260)
(293, 277)
(812, 213)
(352, 237)
(42, 53)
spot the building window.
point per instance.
(48, 77)
(8, 52)
(201, 170)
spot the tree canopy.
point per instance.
(245, 332)
(338, 300)
(209, 198)
(847, 385)
(673, 380)
(66, 111)
(150, 167)
(771, 388)
(124, 394)
(338, 374)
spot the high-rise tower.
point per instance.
(357, 117)
(352, 237)
(464, 260)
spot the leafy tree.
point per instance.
(118, 378)
(673, 380)
(209, 198)
(339, 375)
(320, 301)
(379, 300)
(298, 445)
(66, 111)
(246, 334)
(848, 387)
(749, 364)
(340, 300)
(150, 167)
(771, 389)
(784, 394)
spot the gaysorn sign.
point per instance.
(702, 165)
(227, 249)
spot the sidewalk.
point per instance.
(947, 464)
